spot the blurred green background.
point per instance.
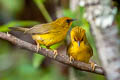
(20, 64)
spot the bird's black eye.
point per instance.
(68, 21)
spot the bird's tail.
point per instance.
(19, 29)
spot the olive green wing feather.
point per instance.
(41, 29)
(88, 45)
(90, 50)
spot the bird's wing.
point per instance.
(90, 50)
(41, 29)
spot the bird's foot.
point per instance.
(71, 59)
(8, 34)
(93, 65)
(38, 47)
(55, 53)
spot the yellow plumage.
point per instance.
(79, 48)
(49, 33)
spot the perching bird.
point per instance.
(79, 48)
(49, 33)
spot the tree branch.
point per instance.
(62, 57)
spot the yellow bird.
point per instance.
(79, 48)
(49, 33)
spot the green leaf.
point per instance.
(42, 1)
(4, 28)
(37, 60)
(55, 46)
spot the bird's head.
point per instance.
(78, 35)
(64, 21)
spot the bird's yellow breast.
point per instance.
(81, 53)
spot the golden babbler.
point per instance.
(79, 48)
(49, 33)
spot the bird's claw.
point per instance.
(55, 53)
(71, 59)
(93, 65)
(38, 47)
(8, 34)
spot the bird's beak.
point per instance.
(73, 19)
(78, 43)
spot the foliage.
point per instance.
(5, 27)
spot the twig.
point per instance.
(43, 10)
(61, 57)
